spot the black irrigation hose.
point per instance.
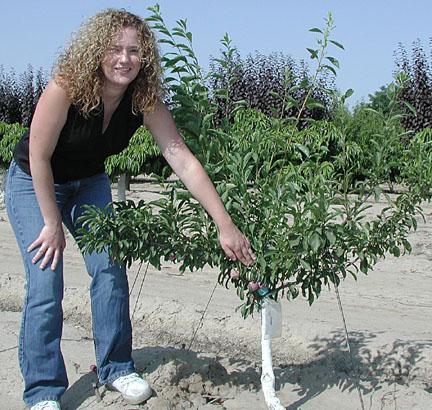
(8, 348)
(140, 289)
(139, 294)
(356, 369)
(202, 317)
(136, 277)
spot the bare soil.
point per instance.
(389, 317)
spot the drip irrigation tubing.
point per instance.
(202, 317)
(356, 369)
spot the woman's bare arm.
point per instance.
(161, 125)
(49, 118)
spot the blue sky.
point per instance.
(34, 31)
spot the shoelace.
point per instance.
(45, 405)
(125, 381)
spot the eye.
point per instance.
(113, 49)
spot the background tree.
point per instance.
(379, 100)
(27, 96)
(19, 95)
(10, 109)
(416, 97)
(273, 84)
(141, 156)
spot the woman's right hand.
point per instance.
(51, 242)
(48, 120)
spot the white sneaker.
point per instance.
(46, 405)
(133, 388)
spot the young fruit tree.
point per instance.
(308, 232)
(293, 193)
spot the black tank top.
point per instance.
(82, 148)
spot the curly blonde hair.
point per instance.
(78, 66)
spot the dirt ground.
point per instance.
(388, 313)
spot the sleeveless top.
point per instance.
(82, 147)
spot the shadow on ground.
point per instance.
(400, 362)
(178, 374)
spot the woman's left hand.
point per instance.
(235, 245)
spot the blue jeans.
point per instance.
(40, 358)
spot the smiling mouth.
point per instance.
(122, 70)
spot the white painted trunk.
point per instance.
(121, 187)
(270, 327)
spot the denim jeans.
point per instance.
(40, 358)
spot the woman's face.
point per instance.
(122, 60)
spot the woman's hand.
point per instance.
(51, 242)
(235, 245)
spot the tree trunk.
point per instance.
(270, 327)
(123, 184)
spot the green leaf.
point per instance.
(411, 108)
(295, 242)
(368, 109)
(315, 241)
(310, 297)
(188, 78)
(395, 251)
(407, 245)
(315, 30)
(330, 68)
(274, 94)
(348, 93)
(333, 61)
(166, 41)
(169, 62)
(331, 237)
(364, 266)
(337, 44)
(313, 53)
(303, 149)
(314, 104)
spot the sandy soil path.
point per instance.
(389, 315)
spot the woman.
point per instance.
(105, 85)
